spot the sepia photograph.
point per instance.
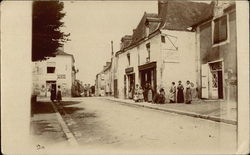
(134, 77)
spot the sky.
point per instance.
(93, 25)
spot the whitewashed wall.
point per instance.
(63, 66)
(178, 64)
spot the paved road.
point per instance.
(101, 124)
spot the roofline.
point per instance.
(151, 35)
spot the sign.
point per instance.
(129, 70)
(61, 76)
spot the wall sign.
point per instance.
(61, 76)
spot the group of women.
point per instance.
(176, 94)
(180, 93)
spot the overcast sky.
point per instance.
(93, 25)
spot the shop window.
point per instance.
(220, 30)
(148, 50)
(163, 39)
(51, 69)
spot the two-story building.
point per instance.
(217, 49)
(162, 49)
(53, 72)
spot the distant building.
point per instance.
(53, 72)
(103, 81)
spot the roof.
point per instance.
(140, 31)
(172, 15)
(61, 52)
(180, 15)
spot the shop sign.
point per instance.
(129, 70)
(61, 76)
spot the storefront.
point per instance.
(129, 82)
(147, 74)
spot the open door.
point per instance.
(204, 80)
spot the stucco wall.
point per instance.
(226, 52)
(181, 63)
(63, 66)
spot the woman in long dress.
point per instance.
(59, 95)
(150, 93)
(180, 94)
(140, 94)
(188, 93)
(136, 93)
(172, 97)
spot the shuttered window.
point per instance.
(220, 30)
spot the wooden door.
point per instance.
(204, 80)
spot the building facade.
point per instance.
(53, 72)
(217, 48)
(161, 50)
(103, 81)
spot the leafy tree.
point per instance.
(46, 33)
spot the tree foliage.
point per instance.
(46, 33)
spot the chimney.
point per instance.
(125, 41)
(161, 4)
(112, 52)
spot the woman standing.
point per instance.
(150, 93)
(188, 93)
(52, 94)
(172, 93)
(180, 94)
(59, 95)
(140, 94)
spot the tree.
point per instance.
(46, 34)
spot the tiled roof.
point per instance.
(140, 31)
(180, 15)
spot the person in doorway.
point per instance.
(180, 94)
(188, 93)
(150, 93)
(52, 94)
(59, 95)
(172, 91)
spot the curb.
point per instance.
(191, 114)
(70, 137)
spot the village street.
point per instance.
(97, 123)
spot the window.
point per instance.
(128, 56)
(220, 30)
(148, 50)
(163, 39)
(51, 69)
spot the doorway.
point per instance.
(216, 80)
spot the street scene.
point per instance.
(136, 76)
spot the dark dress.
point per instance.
(59, 95)
(52, 95)
(180, 94)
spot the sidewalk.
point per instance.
(212, 110)
(45, 129)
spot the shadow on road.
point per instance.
(42, 108)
